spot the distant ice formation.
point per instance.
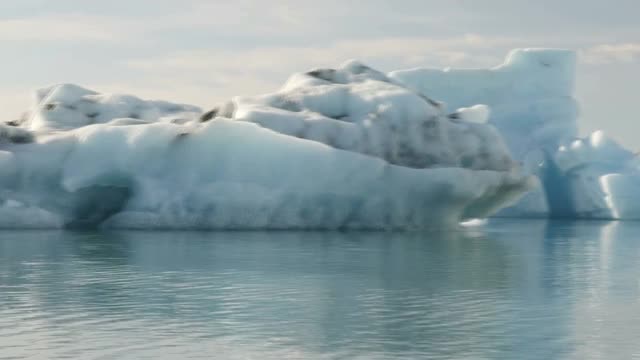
(346, 148)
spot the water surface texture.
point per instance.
(509, 290)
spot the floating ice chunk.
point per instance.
(333, 149)
(582, 175)
(228, 174)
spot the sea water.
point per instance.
(521, 289)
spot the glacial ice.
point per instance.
(531, 101)
(67, 106)
(344, 148)
(532, 104)
(600, 178)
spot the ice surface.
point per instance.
(67, 106)
(598, 179)
(531, 103)
(530, 95)
(333, 149)
(344, 148)
(357, 109)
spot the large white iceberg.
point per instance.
(346, 148)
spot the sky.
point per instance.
(205, 51)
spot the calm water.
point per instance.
(510, 290)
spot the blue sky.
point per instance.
(202, 52)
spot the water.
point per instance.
(510, 290)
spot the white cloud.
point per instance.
(205, 77)
(241, 17)
(13, 101)
(403, 51)
(225, 73)
(612, 53)
(64, 28)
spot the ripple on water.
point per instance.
(525, 290)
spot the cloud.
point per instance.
(612, 53)
(63, 28)
(403, 51)
(205, 77)
(13, 101)
(240, 18)
(216, 74)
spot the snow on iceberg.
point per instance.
(346, 148)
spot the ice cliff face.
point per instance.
(531, 102)
(346, 148)
(602, 179)
(533, 108)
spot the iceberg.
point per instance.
(601, 178)
(532, 104)
(345, 148)
(530, 97)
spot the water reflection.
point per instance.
(512, 289)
